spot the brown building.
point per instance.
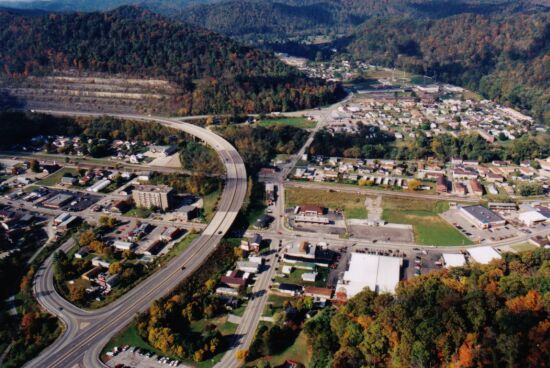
(149, 196)
(441, 184)
(476, 186)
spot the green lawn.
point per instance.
(55, 178)
(295, 277)
(209, 204)
(356, 213)
(428, 227)
(299, 351)
(274, 304)
(523, 247)
(298, 122)
(138, 212)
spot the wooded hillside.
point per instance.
(481, 316)
(216, 74)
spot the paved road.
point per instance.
(88, 331)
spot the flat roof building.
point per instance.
(58, 201)
(378, 273)
(482, 217)
(453, 260)
(149, 196)
(483, 255)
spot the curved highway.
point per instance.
(86, 332)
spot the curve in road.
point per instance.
(86, 331)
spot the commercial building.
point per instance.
(99, 186)
(58, 201)
(149, 196)
(532, 218)
(124, 245)
(318, 293)
(483, 255)
(482, 217)
(378, 273)
(453, 260)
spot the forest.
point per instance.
(214, 73)
(494, 315)
(166, 325)
(282, 20)
(372, 143)
(503, 58)
(259, 145)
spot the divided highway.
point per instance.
(86, 332)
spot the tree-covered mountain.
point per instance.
(280, 19)
(216, 74)
(504, 58)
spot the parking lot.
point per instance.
(476, 234)
(136, 358)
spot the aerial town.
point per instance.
(342, 185)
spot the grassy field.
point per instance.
(428, 227)
(523, 247)
(274, 304)
(299, 352)
(295, 277)
(297, 122)
(352, 204)
(55, 178)
(209, 204)
(138, 212)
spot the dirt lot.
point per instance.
(381, 233)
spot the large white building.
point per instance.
(483, 255)
(378, 273)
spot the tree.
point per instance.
(28, 324)
(414, 184)
(115, 267)
(241, 355)
(107, 222)
(77, 292)
(96, 246)
(86, 238)
(34, 166)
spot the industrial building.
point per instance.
(482, 217)
(378, 273)
(483, 255)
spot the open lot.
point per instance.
(381, 233)
(352, 204)
(54, 179)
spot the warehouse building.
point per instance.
(482, 217)
(378, 273)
